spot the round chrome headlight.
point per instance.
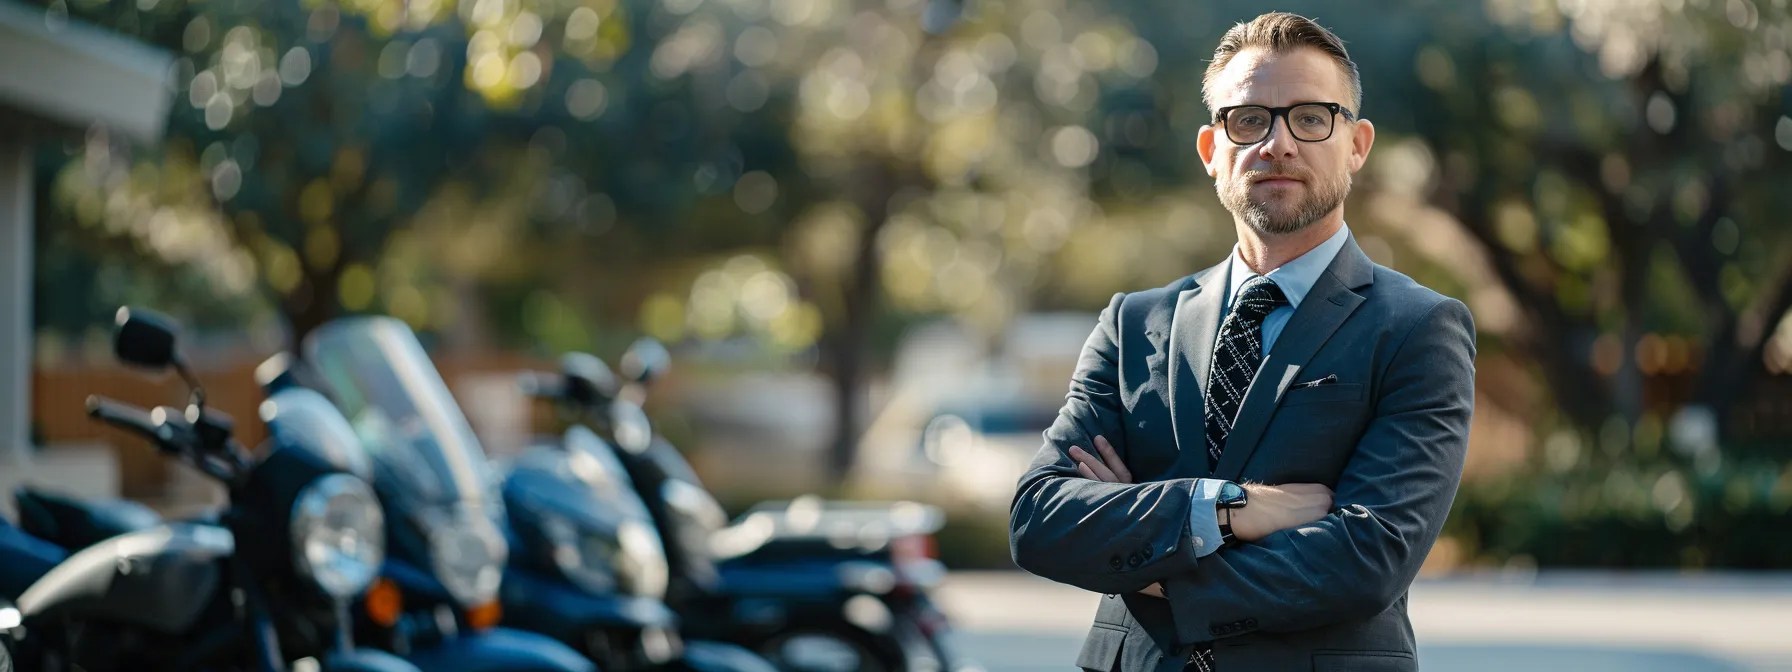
(469, 557)
(587, 560)
(632, 562)
(338, 534)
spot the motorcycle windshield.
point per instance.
(422, 446)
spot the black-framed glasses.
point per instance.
(1307, 122)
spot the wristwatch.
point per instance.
(1231, 496)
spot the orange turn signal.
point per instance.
(384, 603)
(485, 615)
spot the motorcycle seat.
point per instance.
(75, 523)
(24, 559)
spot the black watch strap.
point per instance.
(1226, 526)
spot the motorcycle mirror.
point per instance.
(588, 379)
(646, 360)
(145, 338)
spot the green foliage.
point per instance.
(1636, 516)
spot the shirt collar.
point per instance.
(1295, 278)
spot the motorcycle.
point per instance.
(591, 570)
(575, 567)
(262, 585)
(808, 584)
(436, 599)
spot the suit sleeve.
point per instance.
(1390, 501)
(1102, 537)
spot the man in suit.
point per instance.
(1253, 462)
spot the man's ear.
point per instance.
(1362, 137)
(1204, 145)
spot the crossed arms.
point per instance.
(1352, 563)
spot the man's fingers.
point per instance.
(1084, 470)
(1096, 470)
(1154, 590)
(1112, 458)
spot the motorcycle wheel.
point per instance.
(829, 649)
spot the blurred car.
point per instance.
(963, 414)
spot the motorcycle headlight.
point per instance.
(469, 557)
(338, 534)
(631, 562)
(588, 560)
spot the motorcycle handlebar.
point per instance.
(165, 426)
(122, 415)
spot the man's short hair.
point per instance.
(1280, 33)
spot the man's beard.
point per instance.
(1274, 218)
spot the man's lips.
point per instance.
(1279, 180)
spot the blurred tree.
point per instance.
(317, 129)
(1624, 169)
(903, 159)
(956, 139)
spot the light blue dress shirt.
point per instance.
(1295, 278)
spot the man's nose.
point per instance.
(1279, 144)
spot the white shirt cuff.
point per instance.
(1203, 518)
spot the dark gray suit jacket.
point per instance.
(1389, 438)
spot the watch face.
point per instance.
(1231, 495)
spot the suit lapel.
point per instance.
(1196, 324)
(1330, 302)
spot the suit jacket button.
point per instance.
(1116, 563)
(1250, 623)
(1217, 631)
(1134, 561)
(1147, 552)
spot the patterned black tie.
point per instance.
(1236, 357)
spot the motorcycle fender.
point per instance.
(555, 607)
(160, 579)
(501, 649)
(366, 660)
(707, 656)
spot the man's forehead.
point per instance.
(1258, 76)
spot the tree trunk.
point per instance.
(876, 185)
(311, 305)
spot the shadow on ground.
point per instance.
(1015, 652)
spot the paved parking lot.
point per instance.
(1558, 621)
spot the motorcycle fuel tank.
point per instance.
(160, 579)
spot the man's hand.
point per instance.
(1273, 508)
(1107, 469)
